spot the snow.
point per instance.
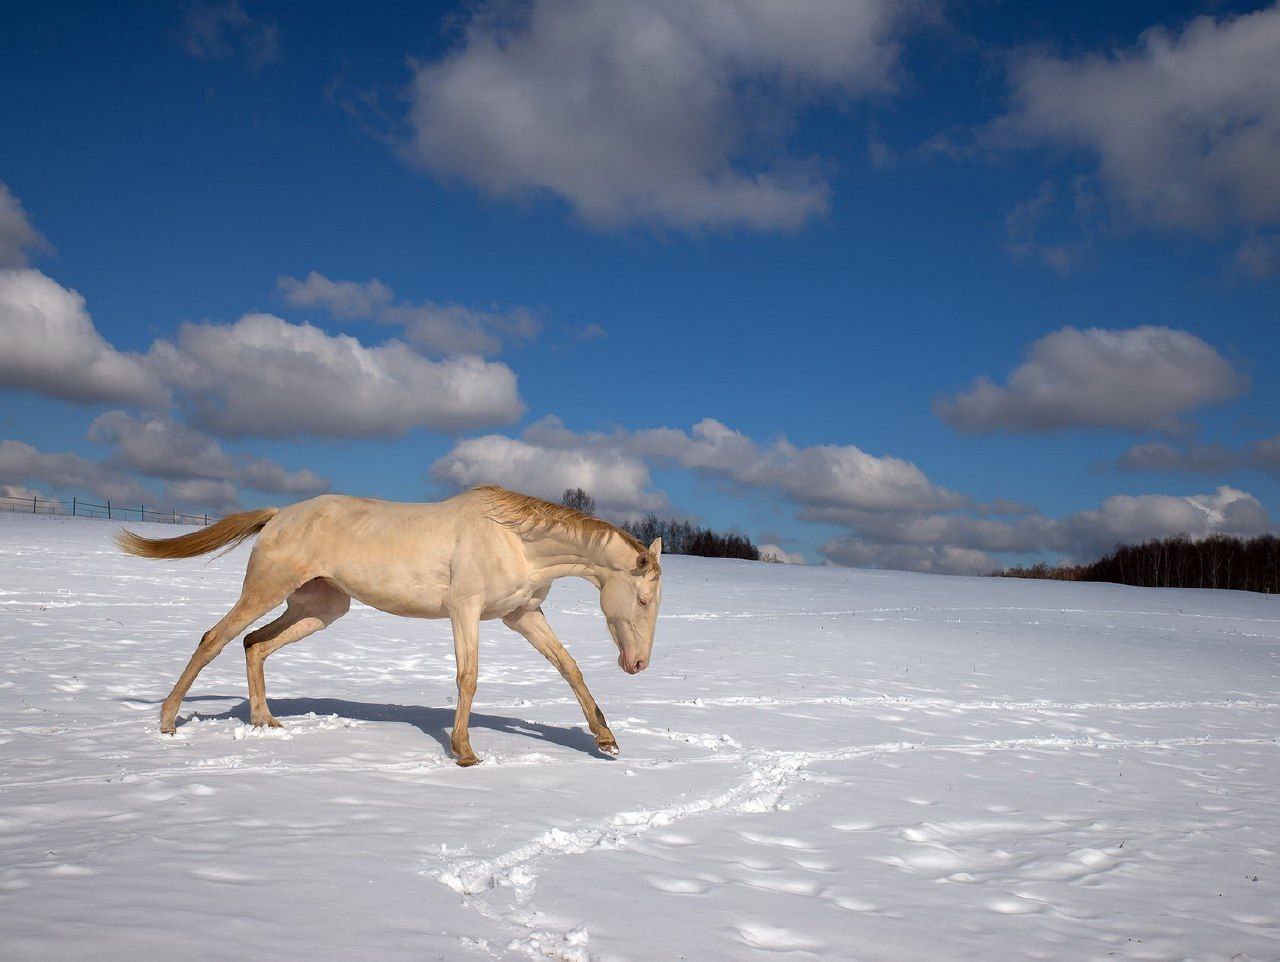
(820, 763)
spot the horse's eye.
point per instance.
(644, 602)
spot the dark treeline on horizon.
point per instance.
(1219, 561)
(678, 537)
(682, 537)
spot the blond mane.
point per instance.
(532, 518)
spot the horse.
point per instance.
(486, 553)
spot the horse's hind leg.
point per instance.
(314, 606)
(259, 595)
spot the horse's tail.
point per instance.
(231, 530)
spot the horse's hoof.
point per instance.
(169, 729)
(608, 746)
(267, 722)
(466, 761)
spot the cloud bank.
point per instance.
(1142, 378)
(48, 344)
(962, 544)
(260, 376)
(655, 111)
(1184, 127)
(18, 238)
(265, 377)
(157, 447)
(435, 328)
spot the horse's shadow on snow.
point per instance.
(433, 722)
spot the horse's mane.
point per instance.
(532, 518)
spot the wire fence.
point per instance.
(76, 508)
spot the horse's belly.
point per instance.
(408, 608)
(396, 599)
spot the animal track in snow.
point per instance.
(768, 778)
(679, 886)
(777, 939)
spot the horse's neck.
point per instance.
(553, 557)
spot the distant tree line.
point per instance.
(682, 537)
(1214, 562)
(678, 537)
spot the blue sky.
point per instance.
(817, 222)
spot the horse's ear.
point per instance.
(655, 549)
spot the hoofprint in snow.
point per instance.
(820, 763)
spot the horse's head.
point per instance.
(629, 599)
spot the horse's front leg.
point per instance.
(466, 651)
(533, 625)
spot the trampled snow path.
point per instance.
(819, 764)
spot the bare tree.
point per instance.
(579, 500)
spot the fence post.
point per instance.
(108, 509)
(206, 520)
(33, 504)
(73, 506)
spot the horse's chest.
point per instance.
(524, 596)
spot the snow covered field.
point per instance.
(820, 763)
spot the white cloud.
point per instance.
(454, 329)
(1263, 455)
(21, 463)
(1128, 519)
(21, 492)
(260, 376)
(962, 544)
(160, 448)
(816, 476)
(853, 552)
(342, 299)
(201, 495)
(1185, 126)
(612, 466)
(437, 328)
(17, 236)
(618, 481)
(1031, 532)
(1162, 456)
(1141, 378)
(216, 31)
(892, 516)
(48, 345)
(771, 552)
(657, 111)
(263, 474)
(265, 377)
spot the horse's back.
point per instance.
(336, 525)
(396, 556)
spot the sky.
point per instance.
(920, 285)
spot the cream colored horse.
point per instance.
(487, 553)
